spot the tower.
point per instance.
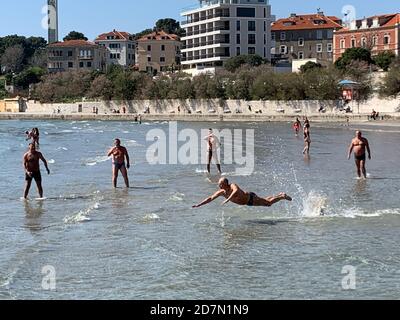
(53, 20)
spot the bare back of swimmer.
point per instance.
(233, 193)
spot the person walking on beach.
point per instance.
(32, 169)
(307, 137)
(359, 145)
(212, 148)
(119, 153)
(233, 193)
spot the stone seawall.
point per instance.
(193, 118)
(214, 107)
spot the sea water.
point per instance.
(147, 243)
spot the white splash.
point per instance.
(82, 215)
(314, 205)
(151, 217)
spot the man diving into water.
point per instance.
(32, 169)
(360, 145)
(119, 154)
(233, 193)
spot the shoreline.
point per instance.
(359, 118)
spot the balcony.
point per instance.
(85, 57)
(208, 17)
(202, 31)
(205, 43)
(205, 56)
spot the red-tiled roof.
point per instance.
(119, 35)
(305, 22)
(159, 35)
(73, 43)
(391, 20)
(394, 21)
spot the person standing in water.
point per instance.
(32, 169)
(359, 145)
(232, 193)
(296, 127)
(307, 137)
(212, 148)
(119, 153)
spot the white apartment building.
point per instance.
(121, 47)
(217, 30)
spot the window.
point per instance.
(342, 44)
(69, 53)
(89, 64)
(252, 50)
(329, 47)
(162, 47)
(70, 64)
(283, 50)
(80, 64)
(238, 51)
(330, 34)
(237, 25)
(251, 26)
(364, 42)
(319, 47)
(301, 42)
(375, 41)
(246, 12)
(148, 59)
(149, 48)
(386, 39)
(238, 38)
(353, 42)
(273, 36)
(283, 36)
(118, 56)
(252, 39)
(301, 55)
(319, 34)
(162, 59)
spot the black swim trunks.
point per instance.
(119, 166)
(361, 158)
(251, 200)
(34, 175)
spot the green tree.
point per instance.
(3, 93)
(12, 59)
(252, 60)
(143, 33)
(391, 83)
(75, 35)
(169, 25)
(384, 59)
(101, 87)
(310, 65)
(29, 76)
(353, 54)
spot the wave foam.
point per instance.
(82, 215)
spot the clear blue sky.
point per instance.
(93, 17)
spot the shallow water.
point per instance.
(146, 242)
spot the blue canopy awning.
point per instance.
(348, 83)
